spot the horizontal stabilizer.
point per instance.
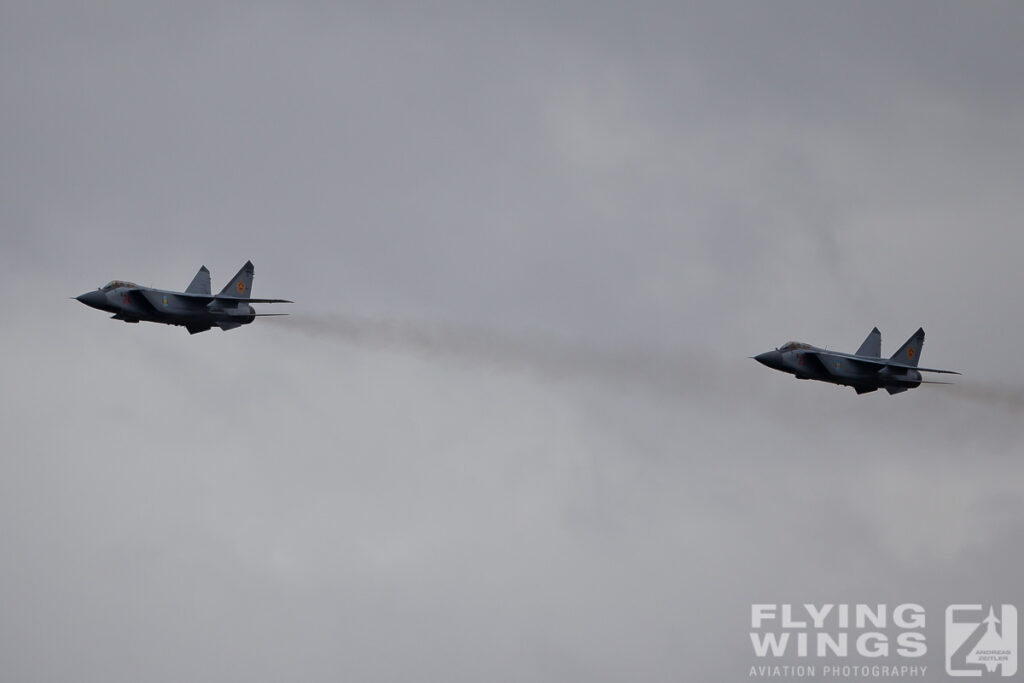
(904, 366)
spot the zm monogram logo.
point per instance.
(980, 641)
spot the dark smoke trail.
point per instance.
(989, 393)
(670, 373)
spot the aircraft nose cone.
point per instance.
(772, 359)
(95, 298)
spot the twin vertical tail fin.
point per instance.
(241, 284)
(910, 352)
(872, 346)
(200, 283)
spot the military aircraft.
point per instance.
(865, 370)
(195, 309)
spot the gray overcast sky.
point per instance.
(559, 463)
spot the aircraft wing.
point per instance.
(242, 300)
(169, 302)
(885, 362)
(207, 298)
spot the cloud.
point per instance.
(511, 429)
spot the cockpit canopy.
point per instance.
(117, 284)
(793, 346)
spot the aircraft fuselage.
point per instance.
(865, 370)
(196, 309)
(818, 364)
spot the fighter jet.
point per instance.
(195, 309)
(865, 370)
